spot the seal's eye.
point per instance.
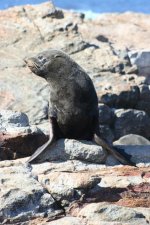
(40, 57)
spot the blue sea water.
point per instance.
(95, 6)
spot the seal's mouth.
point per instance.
(36, 67)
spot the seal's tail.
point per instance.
(112, 151)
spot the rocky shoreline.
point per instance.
(79, 183)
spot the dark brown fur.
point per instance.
(73, 101)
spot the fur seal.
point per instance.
(73, 106)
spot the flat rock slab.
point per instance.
(105, 213)
(136, 153)
(22, 196)
(88, 193)
(68, 220)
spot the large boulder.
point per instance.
(132, 139)
(17, 137)
(131, 121)
(22, 197)
(65, 149)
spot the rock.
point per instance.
(118, 91)
(75, 46)
(132, 70)
(145, 92)
(67, 221)
(131, 121)
(143, 106)
(74, 188)
(142, 60)
(100, 59)
(102, 38)
(22, 196)
(136, 153)
(102, 212)
(97, 182)
(57, 14)
(119, 31)
(20, 144)
(76, 185)
(17, 138)
(127, 99)
(10, 119)
(13, 97)
(109, 99)
(105, 114)
(65, 149)
(69, 165)
(132, 139)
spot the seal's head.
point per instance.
(50, 62)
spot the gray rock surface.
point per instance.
(124, 96)
(131, 121)
(67, 221)
(136, 153)
(22, 196)
(66, 149)
(17, 137)
(132, 139)
(45, 192)
(103, 212)
(142, 60)
(10, 119)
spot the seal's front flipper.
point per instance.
(112, 151)
(35, 157)
(42, 149)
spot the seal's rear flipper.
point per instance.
(112, 150)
